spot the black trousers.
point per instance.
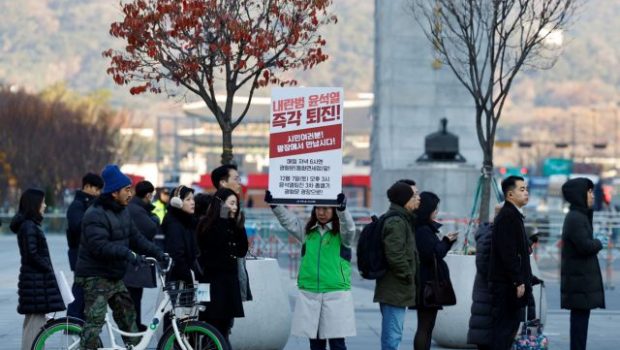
(334, 344)
(223, 325)
(579, 320)
(506, 316)
(136, 296)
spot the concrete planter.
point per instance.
(453, 321)
(267, 321)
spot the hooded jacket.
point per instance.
(581, 282)
(38, 291)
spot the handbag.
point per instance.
(140, 277)
(531, 336)
(437, 292)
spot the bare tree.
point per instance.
(46, 143)
(486, 43)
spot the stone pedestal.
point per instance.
(453, 321)
(454, 183)
(267, 321)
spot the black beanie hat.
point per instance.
(428, 203)
(400, 193)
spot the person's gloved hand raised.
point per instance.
(135, 259)
(269, 198)
(342, 202)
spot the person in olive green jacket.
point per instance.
(396, 290)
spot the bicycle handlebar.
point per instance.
(154, 261)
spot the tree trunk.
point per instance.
(227, 146)
(485, 199)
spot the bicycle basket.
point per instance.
(181, 294)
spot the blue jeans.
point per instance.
(393, 319)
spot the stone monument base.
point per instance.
(454, 183)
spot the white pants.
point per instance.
(32, 325)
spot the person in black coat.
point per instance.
(179, 229)
(222, 239)
(91, 188)
(138, 278)
(38, 291)
(510, 273)
(581, 281)
(431, 250)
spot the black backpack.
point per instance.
(371, 261)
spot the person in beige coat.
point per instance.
(324, 311)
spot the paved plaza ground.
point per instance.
(603, 334)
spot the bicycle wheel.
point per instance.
(61, 333)
(200, 335)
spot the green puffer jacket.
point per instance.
(398, 286)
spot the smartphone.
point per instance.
(224, 212)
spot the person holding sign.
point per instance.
(324, 309)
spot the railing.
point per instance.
(269, 239)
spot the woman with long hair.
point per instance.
(324, 310)
(221, 240)
(431, 250)
(37, 288)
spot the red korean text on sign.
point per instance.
(323, 114)
(331, 98)
(283, 118)
(288, 104)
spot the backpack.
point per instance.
(371, 261)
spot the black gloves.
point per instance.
(269, 198)
(135, 259)
(342, 202)
(163, 258)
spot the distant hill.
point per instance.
(46, 41)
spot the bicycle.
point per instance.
(184, 333)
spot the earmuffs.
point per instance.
(175, 200)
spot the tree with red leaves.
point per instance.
(207, 45)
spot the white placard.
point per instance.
(305, 145)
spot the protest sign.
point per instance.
(305, 145)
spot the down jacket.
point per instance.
(37, 287)
(581, 282)
(178, 228)
(108, 237)
(481, 319)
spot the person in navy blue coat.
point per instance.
(430, 248)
